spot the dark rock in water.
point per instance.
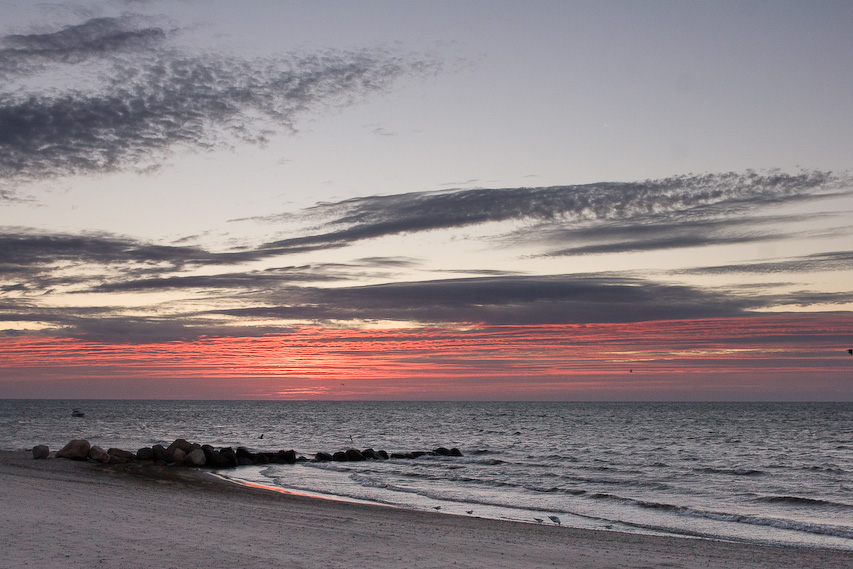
(455, 452)
(340, 456)
(217, 460)
(78, 449)
(262, 458)
(120, 455)
(179, 457)
(418, 453)
(441, 451)
(244, 461)
(146, 453)
(370, 453)
(98, 454)
(196, 457)
(161, 454)
(354, 455)
(406, 455)
(322, 457)
(243, 452)
(301, 458)
(208, 452)
(382, 454)
(229, 455)
(287, 456)
(182, 444)
(41, 452)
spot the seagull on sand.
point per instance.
(554, 519)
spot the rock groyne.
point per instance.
(184, 453)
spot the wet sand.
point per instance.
(62, 513)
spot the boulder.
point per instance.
(322, 457)
(370, 453)
(179, 456)
(382, 454)
(229, 455)
(161, 454)
(41, 452)
(455, 452)
(441, 451)
(243, 452)
(216, 460)
(145, 453)
(244, 461)
(208, 452)
(262, 458)
(354, 455)
(121, 455)
(98, 454)
(285, 457)
(78, 449)
(196, 457)
(182, 444)
(340, 456)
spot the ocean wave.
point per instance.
(801, 501)
(777, 523)
(730, 471)
(825, 468)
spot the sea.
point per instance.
(771, 473)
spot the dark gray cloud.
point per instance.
(568, 212)
(502, 300)
(818, 262)
(283, 294)
(492, 300)
(656, 232)
(35, 263)
(152, 98)
(98, 37)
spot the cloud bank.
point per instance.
(204, 292)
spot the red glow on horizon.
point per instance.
(662, 359)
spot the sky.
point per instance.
(464, 200)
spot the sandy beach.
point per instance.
(61, 513)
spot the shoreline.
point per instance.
(80, 514)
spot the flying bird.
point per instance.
(850, 351)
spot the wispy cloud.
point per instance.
(151, 97)
(667, 209)
(817, 262)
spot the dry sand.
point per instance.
(61, 513)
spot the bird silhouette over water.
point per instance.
(850, 351)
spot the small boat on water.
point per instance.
(77, 413)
